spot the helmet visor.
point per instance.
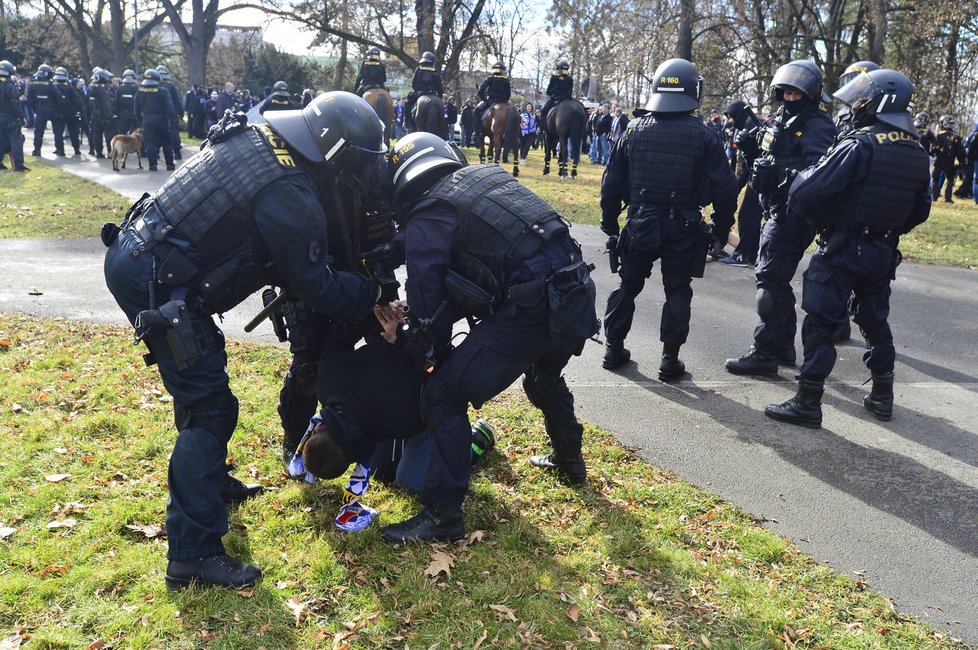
(358, 167)
(858, 92)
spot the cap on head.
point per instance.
(677, 86)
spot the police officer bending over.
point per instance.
(666, 165)
(243, 213)
(372, 73)
(796, 137)
(478, 244)
(872, 188)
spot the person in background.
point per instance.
(528, 130)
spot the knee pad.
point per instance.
(765, 303)
(219, 415)
(437, 404)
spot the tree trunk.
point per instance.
(425, 10)
(878, 36)
(117, 24)
(687, 12)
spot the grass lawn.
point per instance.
(634, 559)
(47, 202)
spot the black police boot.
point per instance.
(22, 168)
(61, 153)
(615, 355)
(571, 470)
(804, 409)
(880, 399)
(431, 524)
(36, 153)
(214, 571)
(234, 491)
(843, 333)
(672, 367)
(483, 440)
(754, 362)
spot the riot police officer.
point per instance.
(101, 101)
(666, 165)
(243, 213)
(495, 88)
(44, 99)
(843, 121)
(426, 81)
(11, 119)
(279, 100)
(560, 87)
(921, 122)
(875, 183)
(947, 147)
(125, 102)
(154, 112)
(372, 73)
(173, 126)
(794, 138)
(479, 244)
(71, 112)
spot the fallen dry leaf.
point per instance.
(4, 344)
(11, 642)
(705, 641)
(298, 609)
(573, 612)
(246, 594)
(150, 531)
(56, 478)
(63, 523)
(504, 612)
(478, 642)
(97, 645)
(441, 562)
(475, 537)
(7, 532)
(54, 568)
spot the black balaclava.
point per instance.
(794, 108)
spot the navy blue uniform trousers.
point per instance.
(862, 269)
(155, 136)
(205, 409)
(783, 244)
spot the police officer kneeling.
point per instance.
(243, 213)
(480, 245)
(871, 188)
(664, 168)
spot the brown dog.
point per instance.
(123, 145)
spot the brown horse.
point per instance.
(502, 125)
(380, 100)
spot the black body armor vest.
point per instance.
(203, 212)
(780, 141)
(898, 172)
(501, 224)
(666, 159)
(44, 96)
(126, 100)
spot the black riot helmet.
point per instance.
(947, 123)
(101, 76)
(44, 72)
(676, 88)
(418, 161)
(884, 94)
(428, 57)
(853, 71)
(373, 54)
(7, 68)
(563, 66)
(164, 72)
(150, 78)
(60, 74)
(801, 75)
(281, 89)
(338, 129)
(498, 67)
(129, 77)
(921, 120)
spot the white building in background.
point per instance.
(223, 35)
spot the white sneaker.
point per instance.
(522, 161)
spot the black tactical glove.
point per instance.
(611, 245)
(386, 290)
(385, 257)
(746, 143)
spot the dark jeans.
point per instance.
(205, 409)
(783, 243)
(526, 142)
(862, 269)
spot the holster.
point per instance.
(174, 318)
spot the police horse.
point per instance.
(380, 100)
(502, 125)
(564, 132)
(429, 115)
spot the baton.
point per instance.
(263, 314)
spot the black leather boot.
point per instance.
(671, 367)
(754, 362)
(804, 409)
(234, 491)
(615, 355)
(214, 571)
(571, 470)
(880, 399)
(431, 524)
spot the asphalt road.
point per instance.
(895, 503)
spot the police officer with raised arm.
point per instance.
(664, 168)
(871, 189)
(798, 135)
(243, 213)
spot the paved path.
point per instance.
(896, 502)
